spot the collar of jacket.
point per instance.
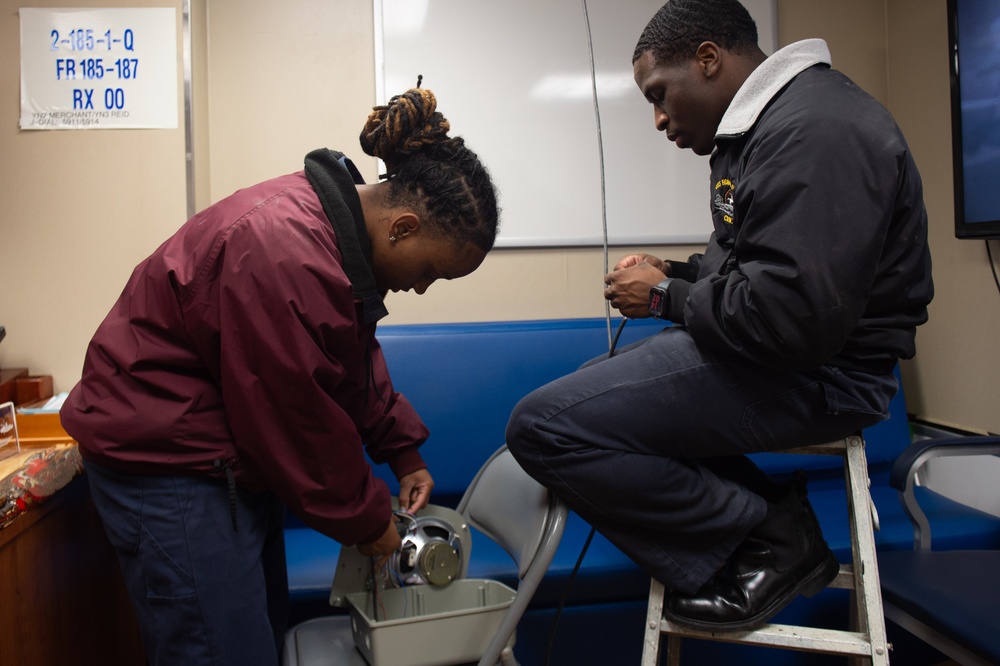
(333, 176)
(766, 81)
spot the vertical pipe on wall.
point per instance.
(188, 111)
(379, 53)
(380, 97)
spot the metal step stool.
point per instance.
(866, 644)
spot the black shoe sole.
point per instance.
(815, 582)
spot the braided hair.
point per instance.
(430, 171)
(680, 26)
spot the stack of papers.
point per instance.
(50, 406)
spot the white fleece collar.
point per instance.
(764, 83)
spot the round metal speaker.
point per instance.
(431, 553)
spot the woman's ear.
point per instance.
(403, 225)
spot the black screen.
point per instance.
(974, 38)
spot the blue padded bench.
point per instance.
(464, 380)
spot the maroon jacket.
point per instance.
(242, 342)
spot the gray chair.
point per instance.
(504, 504)
(947, 598)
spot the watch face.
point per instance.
(657, 300)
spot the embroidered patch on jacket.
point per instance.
(724, 197)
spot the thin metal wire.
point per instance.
(600, 153)
(612, 339)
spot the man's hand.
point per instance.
(385, 545)
(415, 490)
(630, 260)
(629, 283)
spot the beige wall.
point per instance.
(79, 210)
(956, 375)
(82, 208)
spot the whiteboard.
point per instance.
(515, 79)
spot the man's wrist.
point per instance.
(658, 299)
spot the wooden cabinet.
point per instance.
(62, 596)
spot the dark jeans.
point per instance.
(203, 592)
(648, 446)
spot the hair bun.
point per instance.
(406, 124)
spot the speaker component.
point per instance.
(431, 554)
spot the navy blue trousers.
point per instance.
(649, 446)
(204, 592)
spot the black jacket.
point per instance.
(819, 254)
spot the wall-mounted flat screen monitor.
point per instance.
(974, 41)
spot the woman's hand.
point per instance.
(415, 490)
(385, 545)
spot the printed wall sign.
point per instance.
(98, 68)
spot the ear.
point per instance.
(404, 224)
(709, 58)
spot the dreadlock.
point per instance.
(680, 26)
(430, 171)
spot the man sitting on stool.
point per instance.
(786, 329)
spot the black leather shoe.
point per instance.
(783, 557)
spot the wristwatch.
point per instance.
(658, 299)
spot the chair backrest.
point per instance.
(512, 509)
(505, 505)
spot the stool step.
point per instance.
(806, 639)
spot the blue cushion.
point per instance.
(953, 591)
(465, 379)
